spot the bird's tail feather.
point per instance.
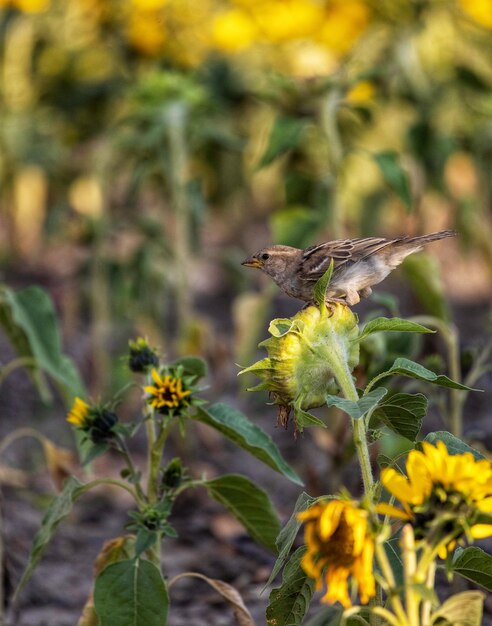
(405, 246)
(423, 239)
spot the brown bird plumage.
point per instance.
(358, 264)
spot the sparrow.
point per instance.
(357, 265)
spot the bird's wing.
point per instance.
(344, 252)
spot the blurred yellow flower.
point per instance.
(78, 413)
(282, 20)
(361, 93)
(233, 30)
(27, 6)
(339, 545)
(479, 10)
(147, 32)
(344, 21)
(439, 483)
(148, 5)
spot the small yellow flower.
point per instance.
(32, 6)
(233, 30)
(479, 10)
(361, 93)
(285, 20)
(339, 545)
(147, 32)
(344, 23)
(78, 413)
(167, 393)
(438, 483)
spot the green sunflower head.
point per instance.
(304, 354)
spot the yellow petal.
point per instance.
(383, 508)
(399, 486)
(480, 531)
(156, 376)
(485, 505)
(330, 518)
(336, 581)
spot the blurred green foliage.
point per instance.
(139, 135)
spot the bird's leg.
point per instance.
(365, 292)
(352, 297)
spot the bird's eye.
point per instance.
(265, 256)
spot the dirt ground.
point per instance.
(210, 541)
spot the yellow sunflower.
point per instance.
(339, 545)
(78, 413)
(167, 393)
(441, 487)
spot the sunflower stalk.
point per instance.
(389, 578)
(450, 337)
(409, 557)
(343, 376)
(426, 605)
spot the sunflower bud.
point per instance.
(96, 422)
(172, 474)
(306, 355)
(141, 356)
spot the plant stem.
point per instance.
(110, 481)
(151, 469)
(22, 361)
(387, 616)
(390, 580)
(177, 115)
(426, 605)
(338, 365)
(450, 336)
(409, 558)
(128, 458)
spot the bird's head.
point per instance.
(274, 260)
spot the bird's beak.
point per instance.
(252, 262)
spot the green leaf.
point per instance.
(393, 324)
(90, 451)
(462, 609)
(332, 616)
(289, 603)
(286, 133)
(403, 413)
(304, 419)
(288, 534)
(59, 508)
(395, 176)
(393, 552)
(406, 367)
(239, 429)
(423, 273)
(29, 320)
(358, 409)
(145, 540)
(328, 616)
(453, 444)
(192, 365)
(131, 593)
(249, 504)
(474, 564)
(322, 285)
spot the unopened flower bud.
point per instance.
(142, 357)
